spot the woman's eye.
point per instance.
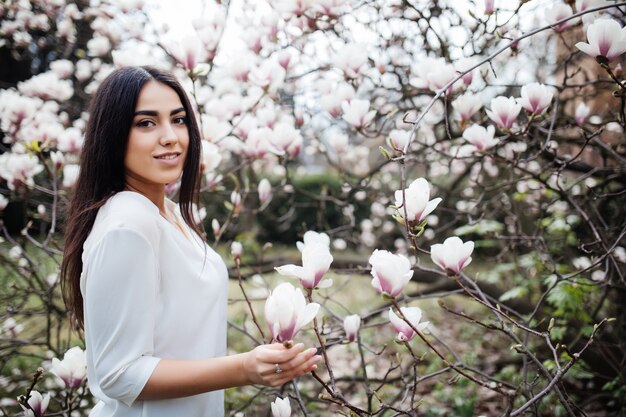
(145, 123)
(180, 120)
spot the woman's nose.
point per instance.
(168, 136)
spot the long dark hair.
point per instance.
(102, 171)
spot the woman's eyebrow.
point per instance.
(154, 113)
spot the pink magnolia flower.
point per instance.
(281, 407)
(316, 260)
(535, 98)
(351, 326)
(606, 40)
(391, 273)
(287, 312)
(480, 137)
(452, 255)
(72, 370)
(582, 112)
(188, 52)
(265, 191)
(356, 112)
(414, 316)
(504, 111)
(418, 205)
(557, 12)
(489, 6)
(38, 403)
(467, 105)
(215, 226)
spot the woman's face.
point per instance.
(158, 138)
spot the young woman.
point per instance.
(148, 292)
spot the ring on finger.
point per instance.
(277, 369)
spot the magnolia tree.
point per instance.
(472, 152)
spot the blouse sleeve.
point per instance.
(120, 308)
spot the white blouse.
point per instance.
(149, 292)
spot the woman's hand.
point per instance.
(260, 363)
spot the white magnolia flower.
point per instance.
(311, 236)
(19, 169)
(357, 113)
(418, 205)
(398, 139)
(281, 407)
(480, 137)
(37, 403)
(504, 111)
(286, 311)
(535, 97)
(98, 46)
(351, 59)
(264, 190)
(351, 326)
(606, 39)
(72, 370)
(582, 112)
(413, 316)
(70, 175)
(236, 248)
(467, 105)
(452, 255)
(391, 273)
(286, 138)
(3, 202)
(316, 260)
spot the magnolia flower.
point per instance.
(188, 52)
(211, 157)
(311, 236)
(351, 326)
(316, 260)
(535, 97)
(281, 407)
(607, 40)
(418, 205)
(356, 112)
(19, 169)
(582, 112)
(72, 370)
(38, 404)
(391, 273)
(235, 200)
(98, 46)
(70, 175)
(398, 139)
(557, 12)
(287, 139)
(286, 311)
(235, 249)
(215, 226)
(452, 255)
(3, 202)
(265, 191)
(489, 6)
(332, 100)
(480, 137)
(466, 105)
(350, 59)
(504, 111)
(413, 315)
(439, 76)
